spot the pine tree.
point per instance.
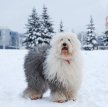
(33, 30)
(61, 27)
(90, 39)
(47, 30)
(106, 38)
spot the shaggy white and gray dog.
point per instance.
(58, 68)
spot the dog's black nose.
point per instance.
(64, 44)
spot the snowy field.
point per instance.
(93, 93)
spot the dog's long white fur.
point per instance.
(69, 74)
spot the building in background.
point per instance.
(106, 23)
(10, 39)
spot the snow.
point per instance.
(93, 93)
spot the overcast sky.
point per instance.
(75, 14)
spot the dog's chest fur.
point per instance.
(66, 73)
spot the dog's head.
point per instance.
(65, 44)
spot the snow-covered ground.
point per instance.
(93, 93)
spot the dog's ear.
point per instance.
(77, 43)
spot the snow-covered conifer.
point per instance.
(33, 30)
(90, 40)
(61, 27)
(47, 30)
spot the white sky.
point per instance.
(75, 14)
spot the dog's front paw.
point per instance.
(61, 101)
(58, 97)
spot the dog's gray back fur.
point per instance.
(33, 67)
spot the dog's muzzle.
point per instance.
(64, 47)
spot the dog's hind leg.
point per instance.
(33, 68)
(32, 94)
(35, 92)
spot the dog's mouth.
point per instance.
(65, 48)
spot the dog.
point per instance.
(58, 68)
